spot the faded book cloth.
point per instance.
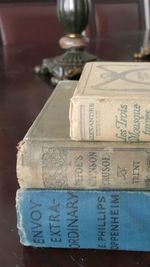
(95, 219)
(112, 103)
(48, 158)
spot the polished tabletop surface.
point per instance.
(22, 95)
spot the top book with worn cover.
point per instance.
(112, 103)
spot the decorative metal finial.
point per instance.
(74, 16)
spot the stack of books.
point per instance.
(84, 165)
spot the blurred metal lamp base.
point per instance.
(143, 55)
(74, 17)
(67, 66)
(144, 52)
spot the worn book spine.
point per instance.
(110, 119)
(84, 219)
(83, 165)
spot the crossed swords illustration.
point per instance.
(112, 76)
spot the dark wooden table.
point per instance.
(22, 96)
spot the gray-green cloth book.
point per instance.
(48, 158)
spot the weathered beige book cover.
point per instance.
(48, 158)
(112, 103)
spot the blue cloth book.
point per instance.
(117, 220)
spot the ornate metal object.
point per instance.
(73, 15)
(144, 53)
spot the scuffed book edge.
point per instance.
(78, 96)
(71, 128)
(21, 146)
(83, 81)
(20, 149)
(77, 116)
(20, 224)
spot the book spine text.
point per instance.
(108, 119)
(91, 165)
(84, 219)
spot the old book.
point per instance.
(112, 103)
(84, 219)
(48, 158)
